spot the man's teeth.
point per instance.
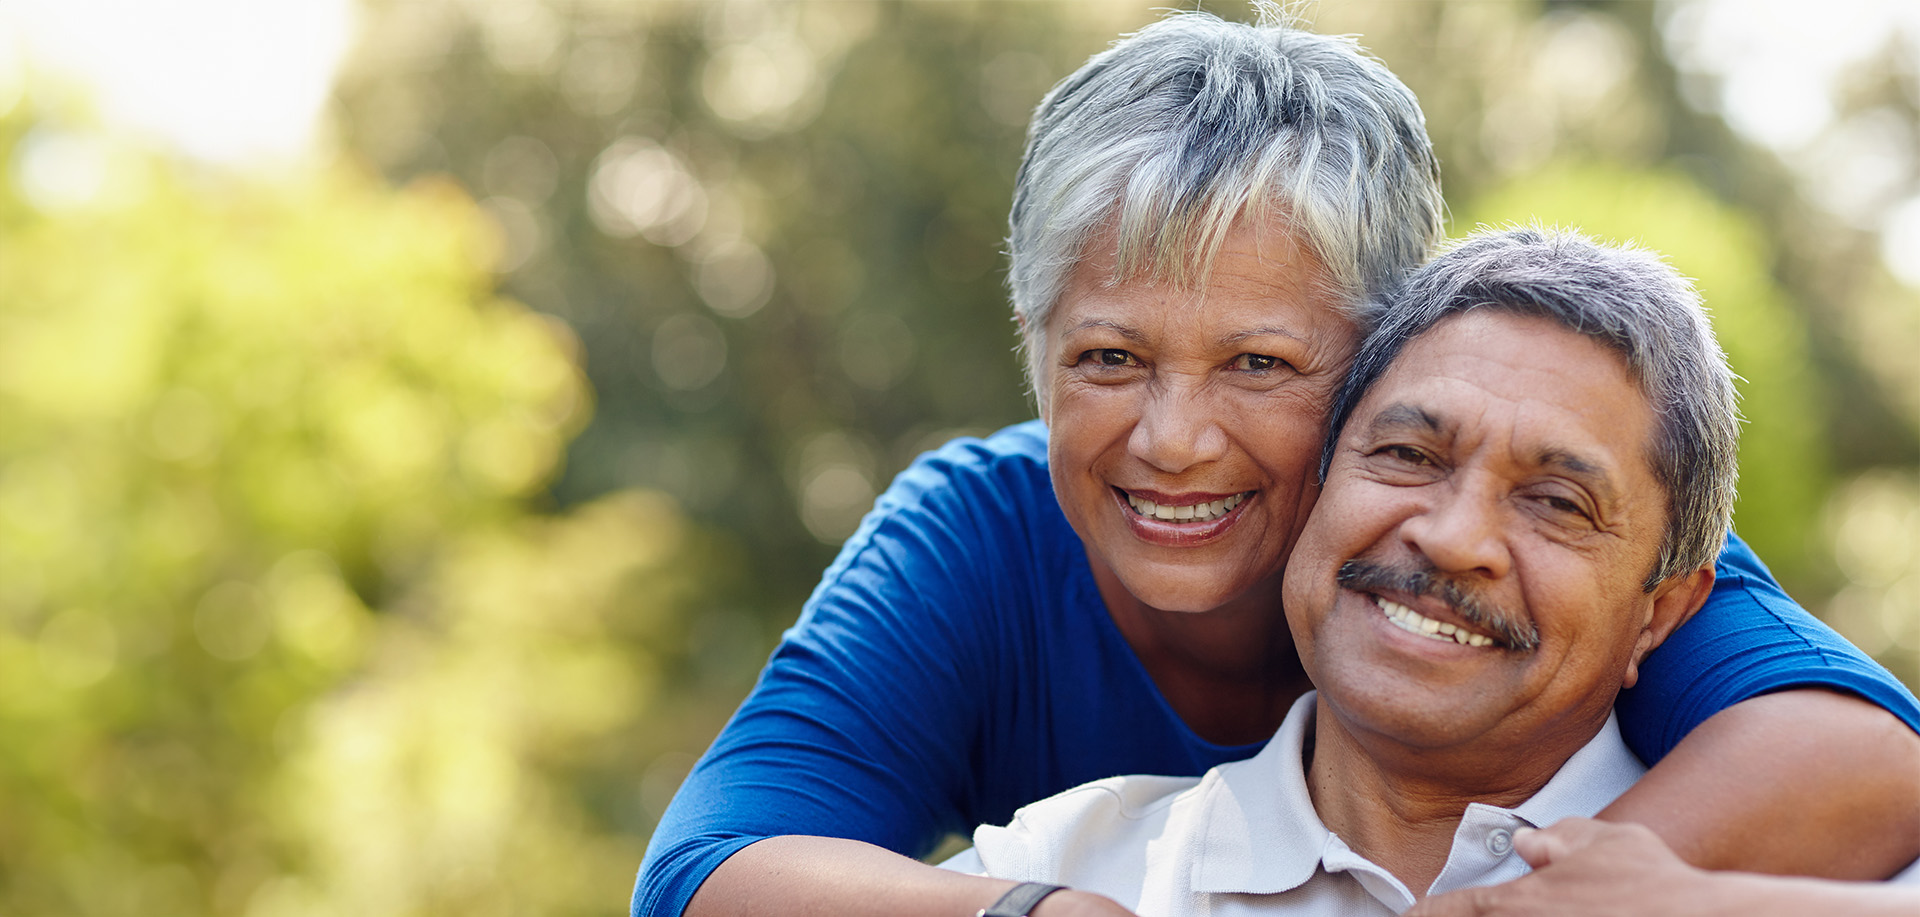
(1408, 619)
(1192, 512)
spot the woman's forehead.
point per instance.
(1259, 273)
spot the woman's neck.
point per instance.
(1231, 672)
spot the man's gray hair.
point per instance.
(1626, 298)
(1179, 129)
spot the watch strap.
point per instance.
(1020, 900)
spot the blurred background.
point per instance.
(419, 418)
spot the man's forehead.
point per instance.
(1566, 399)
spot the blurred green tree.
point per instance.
(775, 227)
(284, 624)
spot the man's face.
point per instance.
(1474, 567)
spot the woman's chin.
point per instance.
(1190, 591)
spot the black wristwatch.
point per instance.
(1020, 900)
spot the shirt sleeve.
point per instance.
(862, 723)
(1749, 639)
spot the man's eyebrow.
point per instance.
(1402, 416)
(1594, 476)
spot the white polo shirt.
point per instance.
(1243, 838)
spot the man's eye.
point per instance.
(1109, 356)
(1407, 454)
(1564, 506)
(1257, 362)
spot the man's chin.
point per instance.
(1407, 716)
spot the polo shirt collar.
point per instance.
(1596, 775)
(1261, 835)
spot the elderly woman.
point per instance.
(1201, 213)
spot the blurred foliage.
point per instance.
(284, 627)
(333, 579)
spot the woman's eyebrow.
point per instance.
(1126, 331)
(1246, 334)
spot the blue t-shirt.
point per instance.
(956, 662)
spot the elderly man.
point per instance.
(1531, 475)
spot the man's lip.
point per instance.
(1429, 607)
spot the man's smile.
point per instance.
(1477, 623)
(1409, 620)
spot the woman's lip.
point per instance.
(1185, 499)
(1179, 534)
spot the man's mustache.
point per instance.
(1510, 631)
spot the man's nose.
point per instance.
(1178, 428)
(1462, 531)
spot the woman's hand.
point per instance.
(1070, 903)
(1583, 868)
(1803, 782)
(1587, 868)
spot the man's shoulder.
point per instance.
(1093, 836)
(1116, 800)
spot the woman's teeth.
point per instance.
(1192, 512)
(1409, 620)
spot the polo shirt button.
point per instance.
(1500, 842)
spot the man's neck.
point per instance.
(1399, 807)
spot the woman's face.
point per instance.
(1185, 424)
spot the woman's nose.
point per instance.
(1177, 430)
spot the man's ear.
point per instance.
(1674, 601)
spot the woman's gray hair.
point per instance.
(1179, 129)
(1626, 298)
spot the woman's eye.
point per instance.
(1257, 362)
(1109, 356)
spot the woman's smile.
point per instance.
(1180, 520)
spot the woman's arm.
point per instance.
(830, 877)
(919, 694)
(861, 723)
(1805, 782)
(1775, 745)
